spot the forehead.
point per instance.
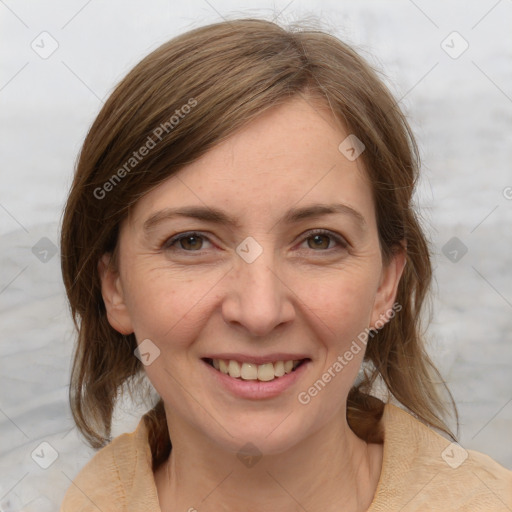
(288, 156)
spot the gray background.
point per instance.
(460, 109)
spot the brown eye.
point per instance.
(191, 243)
(322, 240)
(319, 242)
(187, 242)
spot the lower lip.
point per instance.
(256, 389)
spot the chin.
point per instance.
(264, 432)
(256, 443)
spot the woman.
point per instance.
(240, 231)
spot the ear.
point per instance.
(113, 296)
(388, 286)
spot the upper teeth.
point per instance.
(252, 371)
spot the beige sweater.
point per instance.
(421, 471)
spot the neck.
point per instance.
(331, 470)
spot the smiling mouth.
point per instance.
(250, 371)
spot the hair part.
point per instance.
(234, 71)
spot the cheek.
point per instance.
(166, 304)
(343, 301)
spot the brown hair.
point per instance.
(229, 73)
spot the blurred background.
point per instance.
(448, 63)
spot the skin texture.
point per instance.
(303, 294)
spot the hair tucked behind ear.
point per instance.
(220, 77)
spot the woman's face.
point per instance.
(262, 252)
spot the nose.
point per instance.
(257, 297)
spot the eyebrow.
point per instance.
(219, 217)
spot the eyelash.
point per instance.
(167, 245)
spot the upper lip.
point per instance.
(248, 358)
